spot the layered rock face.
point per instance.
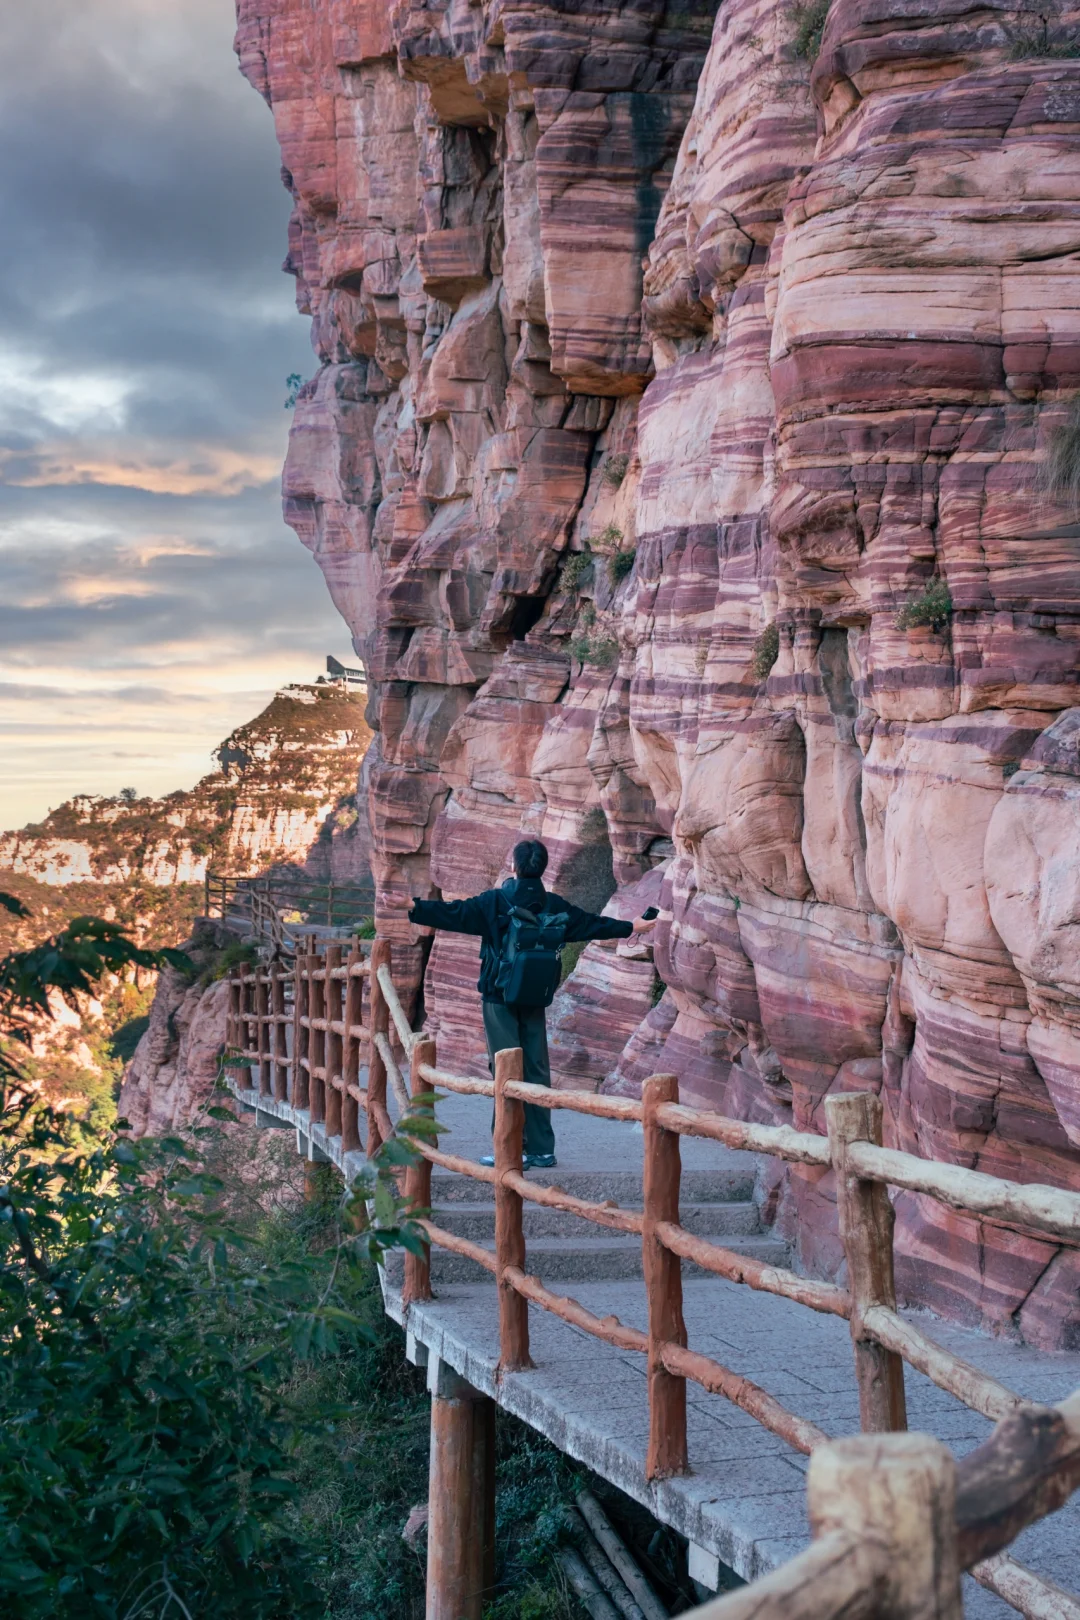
(285, 793)
(174, 1071)
(685, 377)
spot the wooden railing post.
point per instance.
(232, 1022)
(262, 1029)
(317, 1010)
(866, 1230)
(418, 1183)
(379, 1021)
(281, 1037)
(243, 1033)
(895, 1496)
(350, 1053)
(663, 1283)
(461, 1499)
(509, 1227)
(301, 1079)
(332, 1003)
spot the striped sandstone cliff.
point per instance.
(666, 354)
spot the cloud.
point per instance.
(150, 596)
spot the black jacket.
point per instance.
(485, 914)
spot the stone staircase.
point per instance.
(563, 1248)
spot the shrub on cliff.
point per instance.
(575, 570)
(932, 607)
(1060, 473)
(1027, 43)
(602, 651)
(620, 565)
(809, 19)
(766, 651)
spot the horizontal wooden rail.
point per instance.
(838, 1575)
(742, 1392)
(974, 1388)
(742, 1268)
(396, 1010)
(609, 1215)
(1049, 1209)
(459, 1245)
(1036, 1598)
(451, 1161)
(393, 1073)
(608, 1328)
(469, 1085)
(1028, 1467)
(798, 1147)
(711, 1375)
(581, 1102)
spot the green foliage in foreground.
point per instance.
(147, 1349)
(147, 1428)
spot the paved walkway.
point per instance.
(745, 1499)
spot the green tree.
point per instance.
(147, 1346)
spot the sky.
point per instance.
(151, 598)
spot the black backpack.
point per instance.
(530, 962)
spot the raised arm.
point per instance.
(456, 916)
(587, 925)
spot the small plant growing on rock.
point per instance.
(1028, 43)
(1060, 473)
(766, 651)
(809, 19)
(615, 470)
(575, 569)
(932, 607)
(593, 824)
(1010, 768)
(611, 535)
(620, 565)
(293, 384)
(603, 651)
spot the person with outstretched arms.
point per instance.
(522, 928)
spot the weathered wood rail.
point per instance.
(895, 1518)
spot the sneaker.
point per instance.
(487, 1158)
(539, 1161)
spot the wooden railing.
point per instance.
(1028, 1468)
(279, 909)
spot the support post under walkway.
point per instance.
(461, 1497)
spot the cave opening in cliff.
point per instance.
(527, 612)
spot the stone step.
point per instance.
(725, 1184)
(477, 1221)
(562, 1260)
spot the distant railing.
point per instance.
(1028, 1468)
(279, 910)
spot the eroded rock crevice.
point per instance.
(659, 368)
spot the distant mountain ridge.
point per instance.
(285, 793)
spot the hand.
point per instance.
(643, 924)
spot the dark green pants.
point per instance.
(525, 1027)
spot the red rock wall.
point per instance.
(601, 277)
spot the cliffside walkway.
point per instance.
(718, 1453)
